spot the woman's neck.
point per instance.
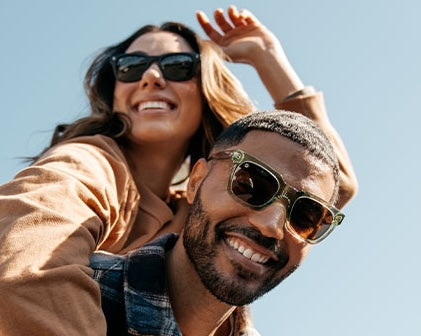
(154, 166)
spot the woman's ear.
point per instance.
(198, 173)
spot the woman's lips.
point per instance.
(154, 105)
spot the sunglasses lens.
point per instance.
(178, 67)
(130, 68)
(253, 184)
(310, 219)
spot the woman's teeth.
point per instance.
(153, 105)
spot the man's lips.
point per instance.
(247, 251)
(249, 248)
(250, 244)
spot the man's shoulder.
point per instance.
(134, 287)
(152, 250)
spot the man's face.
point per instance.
(238, 252)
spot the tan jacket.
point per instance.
(79, 197)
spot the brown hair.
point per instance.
(224, 99)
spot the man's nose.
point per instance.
(152, 77)
(270, 220)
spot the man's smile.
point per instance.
(247, 251)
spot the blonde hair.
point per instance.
(223, 91)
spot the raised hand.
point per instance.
(244, 39)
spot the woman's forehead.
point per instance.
(156, 43)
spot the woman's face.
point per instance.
(160, 110)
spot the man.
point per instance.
(257, 204)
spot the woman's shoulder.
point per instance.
(88, 149)
(95, 156)
(94, 142)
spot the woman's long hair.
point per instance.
(224, 99)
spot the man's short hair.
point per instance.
(291, 125)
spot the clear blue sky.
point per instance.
(366, 57)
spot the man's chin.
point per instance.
(242, 288)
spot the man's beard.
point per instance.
(202, 246)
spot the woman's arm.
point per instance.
(245, 40)
(52, 217)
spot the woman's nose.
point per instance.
(152, 78)
(270, 220)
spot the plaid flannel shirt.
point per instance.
(134, 293)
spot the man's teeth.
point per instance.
(247, 252)
(152, 105)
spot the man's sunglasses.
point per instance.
(174, 66)
(256, 185)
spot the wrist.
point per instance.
(305, 91)
(278, 75)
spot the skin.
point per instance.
(164, 114)
(220, 219)
(180, 114)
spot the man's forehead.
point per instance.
(271, 148)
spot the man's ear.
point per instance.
(198, 173)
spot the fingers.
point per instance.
(221, 21)
(238, 18)
(207, 26)
(235, 17)
(246, 16)
(204, 22)
(226, 23)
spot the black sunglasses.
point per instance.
(174, 66)
(255, 184)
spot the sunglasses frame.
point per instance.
(284, 191)
(152, 59)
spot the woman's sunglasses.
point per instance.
(174, 66)
(256, 185)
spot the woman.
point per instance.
(104, 182)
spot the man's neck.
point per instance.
(196, 310)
